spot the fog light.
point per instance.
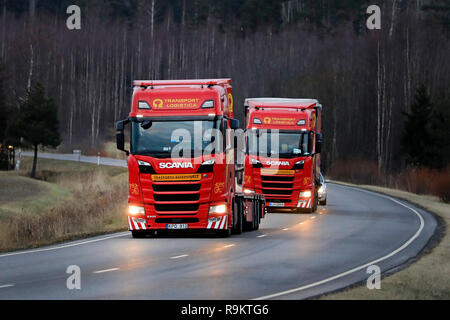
(220, 209)
(305, 194)
(136, 210)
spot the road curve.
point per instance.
(292, 256)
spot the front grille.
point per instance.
(277, 178)
(176, 187)
(176, 220)
(277, 185)
(278, 192)
(176, 207)
(176, 197)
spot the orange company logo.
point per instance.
(157, 104)
(230, 101)
(218, 187)
(267, 120)
(134, 188)
(306, 181)
(248, 179)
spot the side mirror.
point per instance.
(234, 124)
(319, 142)
(120, 135)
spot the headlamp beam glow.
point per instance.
(136, 210)
(305, 194)
(220, 209)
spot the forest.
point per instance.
(369, 81)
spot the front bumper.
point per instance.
(212, 223)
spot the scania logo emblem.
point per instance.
(175, 165)
(277, 163)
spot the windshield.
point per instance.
(179, 139)
(281, 144)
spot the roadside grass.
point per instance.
(19, 195)
(70, 200)
(428, 277)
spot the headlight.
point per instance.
(257, 121)
(209, 162)
(305, 194)
(221, 208)
(143, 163)
(321, 190)
(136, 210)
(256, 163)
(249, 191)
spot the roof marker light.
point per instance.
(257, 121)
(301, 122)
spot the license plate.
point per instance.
(176, 177)
(276, 204)
(179, 226)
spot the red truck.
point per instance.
(284, 141)
(181, 162)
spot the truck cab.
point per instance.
(283, 140)
(179, 176)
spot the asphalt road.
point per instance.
(292, 256)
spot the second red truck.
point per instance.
(284, 140)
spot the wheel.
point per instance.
(237, 212)
(316, 201)
(323, 202)
(138, 234)
(256, 216)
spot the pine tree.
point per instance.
(37, 123)
(3, 110)
(417, 140)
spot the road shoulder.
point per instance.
(425, 276)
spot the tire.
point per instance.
(138, 234)
(237, 229)
(256, 216)
(315, 203)
(323, 203)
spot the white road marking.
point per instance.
(181, 256)
(106, 270)
(313, 217)
(122, 234)
(229, 245)
(285, 229)
(6, 286)
(262, 236)
(301, 223)
(343, 274)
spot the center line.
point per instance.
(178, 257)
(262, 236)
(230, 245)
(6, 286)
(106, 270)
